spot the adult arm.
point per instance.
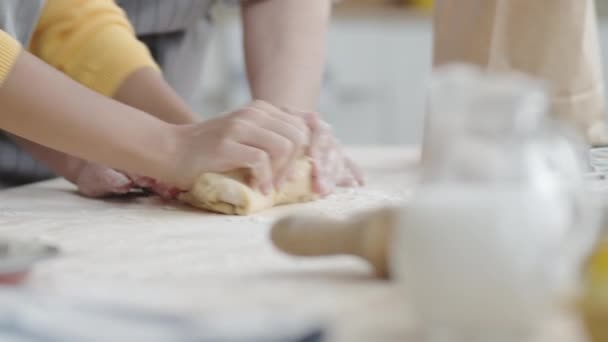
(285, 52)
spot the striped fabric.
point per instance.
(177, 32)
(165, 16)
(18, 17)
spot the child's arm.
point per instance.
(91, 179)
(95, 180)
(42, 105)
(67, 28)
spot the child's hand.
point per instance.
(94, 180)
(163, 190)
(258, 137)
(99, 181)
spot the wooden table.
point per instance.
(169, 256)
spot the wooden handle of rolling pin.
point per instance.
(367, 235)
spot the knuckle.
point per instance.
(298, 140)
(302, 124)
(285, 147)
(260, 157)
(223, 135)
(223, 147)
(299, 120)
(304, 138)
(251, 114)
(235, 126)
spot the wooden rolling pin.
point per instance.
(366, 235)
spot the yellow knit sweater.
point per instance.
(89, 40)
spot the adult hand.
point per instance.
(331, 166)
(259, 137)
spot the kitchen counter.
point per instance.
(173, 257)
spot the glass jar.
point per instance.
(499, 224)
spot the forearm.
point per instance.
(83, 123)
(60, 163)
(285, 50)
(146, 90)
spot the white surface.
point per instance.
(175, 257)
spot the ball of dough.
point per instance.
(229, 192)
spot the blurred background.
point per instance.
(379, 61)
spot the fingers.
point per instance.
(355, 171)
(323, 151)
(292, 130)
(312, 119)
(163, 190)
(287, 117)
(280, 123)
(257, 161)
(276, 147)
(142, 181)
(301, 142)
(267, 141)
(284, 171)
(331, 167)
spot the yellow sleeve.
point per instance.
(91, 41)
(9, 51)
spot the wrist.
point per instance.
(70, 168)
(159, 156)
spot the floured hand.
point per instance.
(331, 166)
(97, 181)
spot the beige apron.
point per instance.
(554, 40)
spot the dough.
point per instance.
(229, 193)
